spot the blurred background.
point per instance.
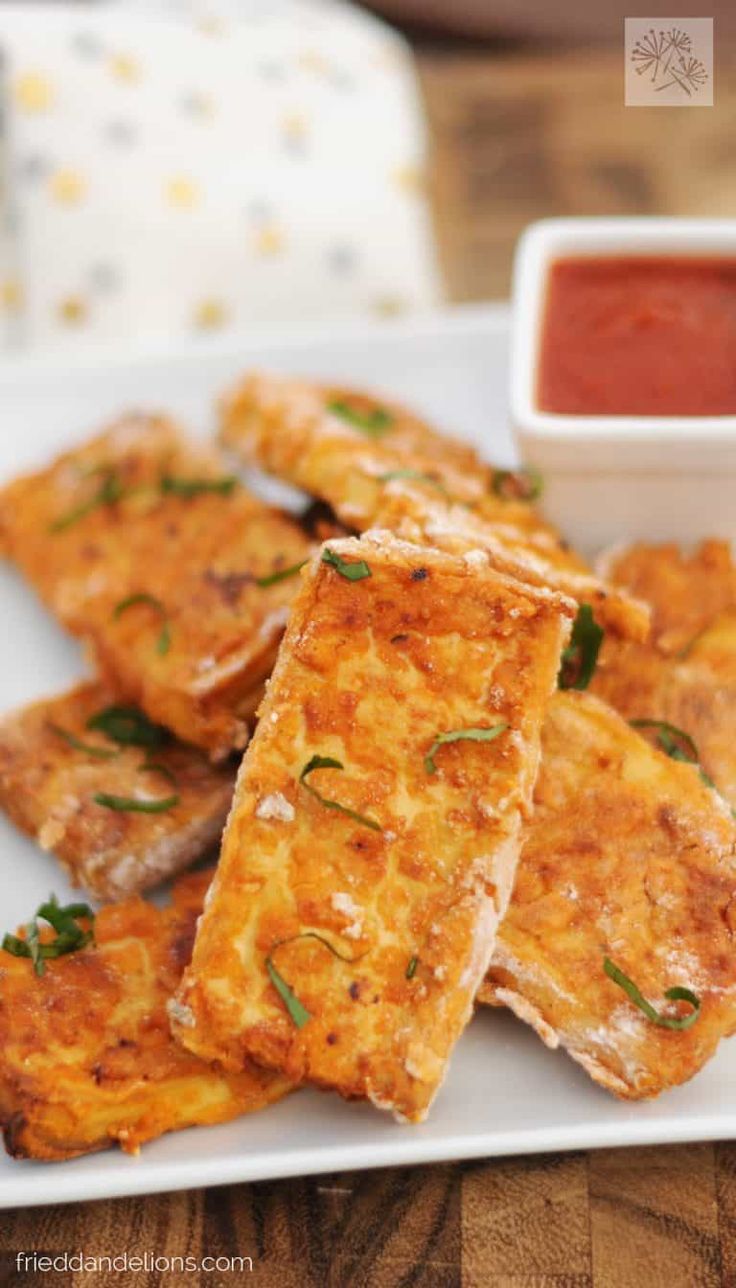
(175, 168)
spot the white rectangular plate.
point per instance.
(505, 1094)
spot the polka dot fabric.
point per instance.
(178, 171)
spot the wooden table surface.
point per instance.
(515, 138)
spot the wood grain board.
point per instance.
(515, 138)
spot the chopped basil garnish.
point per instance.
(163, 643)
(172, 486)
(677, 994)
(132, 805)
(411, 969)
(69, 934)
(298, 1012)
(580, 658)
(129, 727)
(461, 735)
(517, 485)
(282, 574)
(350, 571)
(374, 423)
(109, 492)
(102, 753)
(328, 762)
(676, 744)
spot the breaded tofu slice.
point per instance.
(629, 857)
(686, 592)
(373, 839)
(120, 802)
(343, 446)
(378, 465)
(86, 1056)
(145, 546)
(683, 683)
(533, 558)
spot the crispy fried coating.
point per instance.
(379, 465)
(142, 544)
(686, 675)
(356, 901)
(344, 446)
(86, 1056)
(52, 766)
(685, 591)
(533, 557)
(630, 856)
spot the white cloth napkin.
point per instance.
(172, 170)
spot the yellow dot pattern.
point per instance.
(210, 314)
(182, 193)
(72, 310)
(67, 187)
(33, 92)
(125, 68)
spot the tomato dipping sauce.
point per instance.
(639, 336)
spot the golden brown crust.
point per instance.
(686, 675)
(370, 672)
(197, 556)
(86, 1057)
(387, 477)
(47, 786)
(628, 855)
(289, 428)
(685, 591)
(536, 558)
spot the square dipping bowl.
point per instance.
(622, 477)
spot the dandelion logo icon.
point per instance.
(669, 62)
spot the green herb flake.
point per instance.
(102, 753)
(677, 994)
(375, 423)
(298, 1012)
(580, 657)
(133, 805)
(411, 969)
(282, 574)
(676, 744)
(69, 934)
(328, 762)
(350, 571)
(461, 735)
(163, 642)
(110, 491)
(172, 486)
(129, 727)
(517, 485)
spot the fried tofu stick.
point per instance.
(378, 465)
(686, 592)
(629, 856)
(121, 804)
(533, 558)
(142, 544)
(374, 834)
(683, 683)
(86, 1057)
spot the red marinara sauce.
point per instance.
(649, 336)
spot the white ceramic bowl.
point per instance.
(613, 478)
